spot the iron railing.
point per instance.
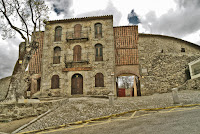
(77, 36)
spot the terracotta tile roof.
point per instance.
(80, 19)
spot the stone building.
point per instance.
(78, 57)
(84, 56)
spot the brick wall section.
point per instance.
(35, 62)
(126, 48)
(162, 64)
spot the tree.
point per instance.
(25, 18)
(126, 81)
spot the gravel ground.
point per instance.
(84, 108)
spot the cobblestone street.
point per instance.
(84, 108)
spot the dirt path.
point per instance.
(8, 127)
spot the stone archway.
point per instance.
(127, 71)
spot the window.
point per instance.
(99, 80)
(56, 55)
(55, 82)
(99, 52)
(98, 30)
(182, 49)
(77, 31)
(77, 53)
(58, 33)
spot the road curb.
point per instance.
(106, 117)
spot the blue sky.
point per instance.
(177, 18)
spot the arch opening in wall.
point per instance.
(58, 33)
(77, 84)
(98, 52)
(98, 30)
(55, 82)
(77, 53)
(128, 85)
(57, 55)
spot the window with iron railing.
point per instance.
(77, 53)
(58, 33)
(73, 36)
(99, 52)
(98, 30)
(57, 55)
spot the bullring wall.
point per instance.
(162, 64)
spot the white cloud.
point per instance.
(109, 10)
(179, 22)
(8, 55)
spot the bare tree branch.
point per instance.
(32, 18)
(17, 9)
(9, 22)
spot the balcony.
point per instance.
(77, 66)
(80, 36)
(72, 64)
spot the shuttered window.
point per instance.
(58, 33)
(98, 30)
(77, 53)
(77, 31)
(55, 82)
(56, 55)
(99, 80)
(99, 52)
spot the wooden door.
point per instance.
(77, 31)
(77, 84)
(77, 53)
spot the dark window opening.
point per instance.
(55, 82)
(98, 30)
(99, 52)
(58, 33)
(99, 80)
(57, 55)
(162, 51)
(182, 49)
(77, 53)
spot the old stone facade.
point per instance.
(84, 56)
(78, 57)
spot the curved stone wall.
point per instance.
(163, 63)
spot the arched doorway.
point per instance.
(77, 84)
(128, 85)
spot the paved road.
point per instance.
(177, 121)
